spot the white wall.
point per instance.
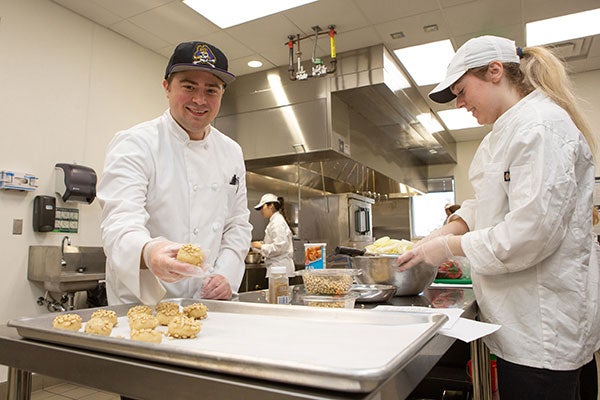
(67, 86)
(587, 89)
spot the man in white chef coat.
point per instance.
(175, 180)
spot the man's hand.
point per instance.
(433, 252)
(216, 287)
(160, 257)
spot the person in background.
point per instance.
(277, 247)
(528, 232)
(175, 180)
(450, 209)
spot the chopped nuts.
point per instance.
(327, 284)
(182, 327)
(107, 315)
(196, 311)
(139, 309)
(70, 322)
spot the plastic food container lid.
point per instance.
(329, 272)
(278, 270)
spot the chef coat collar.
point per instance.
(514, 111)
(180, 133)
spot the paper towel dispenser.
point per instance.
(76, 183)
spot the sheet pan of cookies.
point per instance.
(339, 349)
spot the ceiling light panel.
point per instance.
(566, 27)
(458, 118)
(227, 13)
(427, 63)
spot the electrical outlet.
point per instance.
(17, 227)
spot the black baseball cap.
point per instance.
(199, 55)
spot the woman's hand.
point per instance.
(433, 252)
(256, 245)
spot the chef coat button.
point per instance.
(215, 227)
(195, 231)
(215, 186)
(195, 187)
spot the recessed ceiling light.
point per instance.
(397, 35)
(458, 118)
(431, 28)
(562, 28)
(226, 13)
(255, 64)
(427, 63)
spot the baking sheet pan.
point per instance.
(336, 349)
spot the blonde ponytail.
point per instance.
(544, 70)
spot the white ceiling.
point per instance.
(160, 25)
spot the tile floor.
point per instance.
(69, 391)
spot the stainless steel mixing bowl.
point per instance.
(384, 270)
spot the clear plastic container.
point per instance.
(279, 286)
(345, 301)
(329, 281)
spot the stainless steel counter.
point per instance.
(153, 380)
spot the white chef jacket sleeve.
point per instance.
(467, 213)
(540, 194)
(278, 231)
(122, 194)
(237, 233)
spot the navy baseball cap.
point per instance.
(199, 55)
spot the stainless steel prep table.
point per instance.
(159, 380)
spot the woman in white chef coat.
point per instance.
(277, 247)
(174, 180)
(528, 232)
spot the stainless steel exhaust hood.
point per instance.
(344, 132)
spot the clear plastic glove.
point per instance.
(160, 257)
(434, 252)
(216, 287)
(434, 234)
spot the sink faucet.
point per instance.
(62, 250)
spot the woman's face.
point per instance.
(267, 210)
(481, 97)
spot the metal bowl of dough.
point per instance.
(252, 258)
(383, 270)
(373, 293)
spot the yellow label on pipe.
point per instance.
(332, 46)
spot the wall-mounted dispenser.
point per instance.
(76, 183)
(44, 213)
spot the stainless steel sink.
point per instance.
(84, 267)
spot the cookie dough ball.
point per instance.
(146, 335)
(142, 321)
(165, 316)
(108, 315)
(98, 326)
(196, 311)
(190, 254)
(140, 309)
(166, 304)
(182, 327)
(69, 322)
